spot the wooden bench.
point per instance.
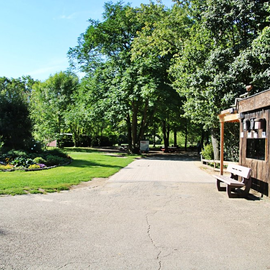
(232, 181)
(170, 149)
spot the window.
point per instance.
(256, 149)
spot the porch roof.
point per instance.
(229, 115)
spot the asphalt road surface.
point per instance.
(156, 214)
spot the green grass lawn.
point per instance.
(86, 165)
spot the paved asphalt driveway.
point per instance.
(155, 214)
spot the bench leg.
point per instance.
(229, 190)
(219, 187)
(247, 188)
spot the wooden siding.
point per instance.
(260, 168)
(255, 102)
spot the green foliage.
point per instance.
(15, 153)
(148, 69)
(231, 142)
(50, 101)
(21, 162)
(216, 62)
(122, 85)
(208, 152)
(39, 160)
(54, 160)
(116, 91)
(1, 143)
(15, 123)
(56, 152)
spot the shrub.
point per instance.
(22, 161)
(56, 152)
(54, 160)
(208, 152)
(38, 160)
(16, 153)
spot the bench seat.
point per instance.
(236, 171)
(229, 181)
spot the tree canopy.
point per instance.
(15, 122)
(155, 68)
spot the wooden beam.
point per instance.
(221, 144)
(232, 118)
(225, 116)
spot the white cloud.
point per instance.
(43, 72)
(69, 17)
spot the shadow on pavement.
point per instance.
(184, 156)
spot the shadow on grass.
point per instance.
(80, 163)
(108, 149)
(81, 150)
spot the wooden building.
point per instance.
(253, 115)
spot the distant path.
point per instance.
(163, 168)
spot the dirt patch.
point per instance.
(209, 169)
(94, 183)
(116, 155)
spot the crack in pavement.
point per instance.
(70, 264)
(153, 242)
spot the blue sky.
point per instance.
(35, 35)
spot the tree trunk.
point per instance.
(143, 123)
(215, 143)
(168, 135)
(175, 138)
(202, 138)
(75, 139)
(207, 137)
(154, 139)
(165, 131)
(186, 135)
(134, 127)
(129, 132)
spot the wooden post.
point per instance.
(221, 118)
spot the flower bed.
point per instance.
(20, 160)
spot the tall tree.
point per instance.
(163, 36)
(15, 123)
(49, 102)
(125, 88)
(216, 67)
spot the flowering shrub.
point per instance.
(6, 167)
(41, 165)
(34, 166)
